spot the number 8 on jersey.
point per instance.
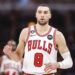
(38, 59)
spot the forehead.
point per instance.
(43, 8)
(9, 42)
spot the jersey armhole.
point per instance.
(27, 35)
(54, 34)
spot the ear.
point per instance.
(36, 15)
(50, 15)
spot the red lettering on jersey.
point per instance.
(50, 47)
(34, 44)
(45, 49)
(29, 45)
(39, 47)
(11, 66)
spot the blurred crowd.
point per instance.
(14, 20)
(39, 1)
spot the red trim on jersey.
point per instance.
(28, 35)
(54, 40)
(43, 34)
(42, 74)
(27, 74)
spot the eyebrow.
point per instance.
(44, 10)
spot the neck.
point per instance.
(43, 28)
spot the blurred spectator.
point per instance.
(8, 66)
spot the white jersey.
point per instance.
(10, 67)
(39, 49)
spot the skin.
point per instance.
(43, 15)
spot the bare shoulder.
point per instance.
(24, 33)
(61, 42)
(25, 30)
(59, 34)
(59, 37)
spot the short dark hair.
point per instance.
(45, 5)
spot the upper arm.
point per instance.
(21, 44)
(0, 60)
(61, 43)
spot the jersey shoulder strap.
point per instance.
(32, 30)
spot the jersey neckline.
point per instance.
(43, 34)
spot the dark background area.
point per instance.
(17, 14)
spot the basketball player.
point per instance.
(40, 44)
(8, 66)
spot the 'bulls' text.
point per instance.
(35, 44)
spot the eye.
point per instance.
(45, 12)
(39, 12)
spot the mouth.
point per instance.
(42, 19)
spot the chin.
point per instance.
(43, 23)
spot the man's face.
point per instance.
(43, 15)
(13, 47)
(10, 43)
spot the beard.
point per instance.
(42, 23)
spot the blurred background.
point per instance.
(18, 14)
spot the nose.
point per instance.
(42, 15)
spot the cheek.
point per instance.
(37, 16)
(47, 17)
